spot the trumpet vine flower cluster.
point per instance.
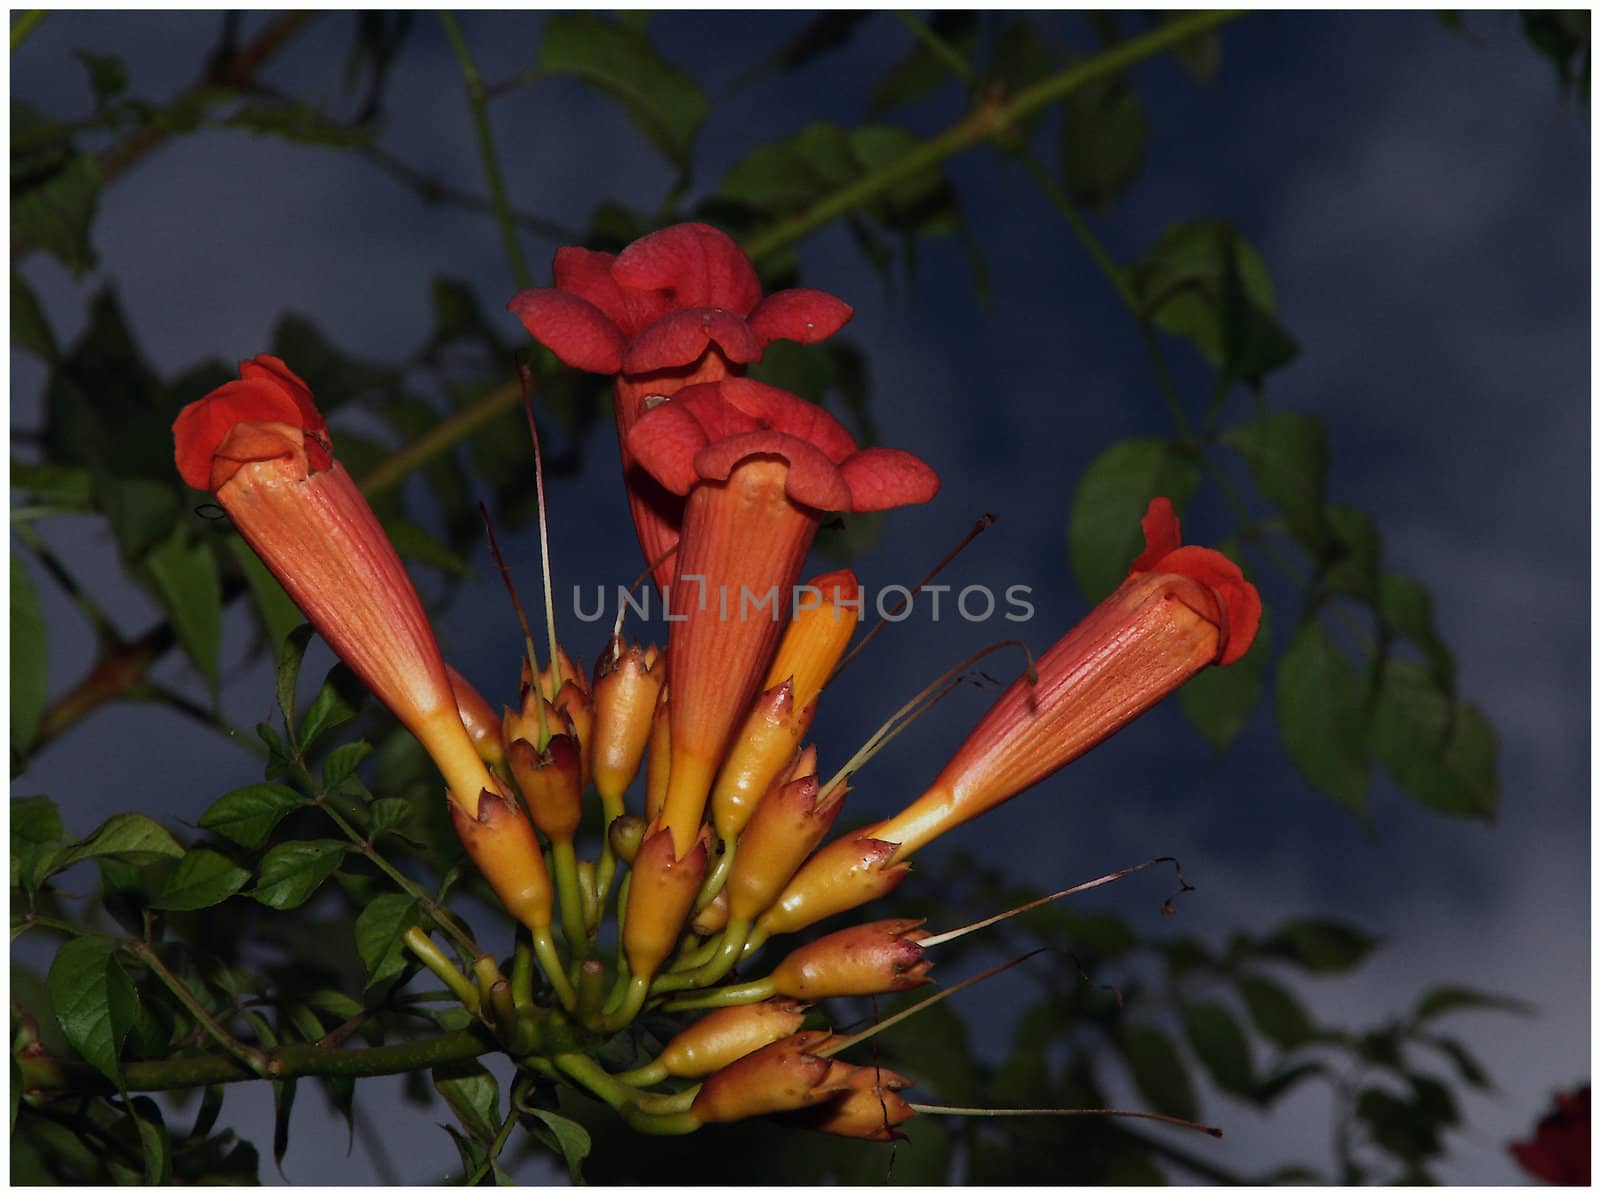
(724, 848)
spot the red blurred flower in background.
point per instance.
(1559, 1151)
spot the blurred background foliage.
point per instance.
(170, 946)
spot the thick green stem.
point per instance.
(555, 971)
(46, 1074)
(252, 1057)
(435, 960)
(570, 899)
(491, 160)
(731, 947)
(734, 994)
(982, 124)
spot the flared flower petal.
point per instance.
(801, 315)
(681, 338)
(572, 328)
(697, 265)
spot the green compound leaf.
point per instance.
(203, 878)
(1322, 717)
(94, 1000)
(342, 763)
(248, 815)
(1158, 1070)
(1319, 945)
(473, 1096)
(1103, 136)
(36, 835)
(336, 703)
(378, 935)
(1214, 1034)
(1275, 1011)
(664, 102)
(1103, 533)
(30, 328)
(1287, 452)
(291, 872)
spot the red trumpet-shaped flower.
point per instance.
(261, 448)
(677, 307)
(1181, 609)
(758, 467)
(1558, 1152)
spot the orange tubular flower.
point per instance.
(759, 467)
(261, 448)
(675, 308)
(1180, 610)
(725, 1035)
(788, 823)
(627, 684)
(660, 895)
(846, 873)
(502, 844)
(765, 745)
(779, 1077)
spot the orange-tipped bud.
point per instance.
(781, 1076)
(626, 833)
(659, 767)
(551, 784)
(859, 961)
(569, 672)
(478, 717)
(574, 702)
(785, 829)
(826, 611)
(870, 1108)
(724, 1035)
(764, 747)
(627, 684)
(660, 895)
(526, 724)
(714, 917)
(502, 844)
(1181, 609)
(846, 873)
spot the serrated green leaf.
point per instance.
(1103, 136)
(1204, 282)
(279, 614)
(663, 101)
(1103, 532)
(388, 814)
(94, 1000)
(1443, 753)
(129, 837)
(473, 1095)
(300, 122)
(415, 544)
(202, 879)
(1275, 1011)
(1287, 453)
(291, 872)
(29, 660)
(1219, 701)
(36, 835)
(190, 588)
(248, 815)
(1408, 607)
(378, 935)
(1158, 1070)
(1322, 717)
(1214, 1035)
(336, 703)
(30, 328)
(342, 763)
(1319, 945)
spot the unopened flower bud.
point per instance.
(724, 1035)
(626, 834)
(870, 1108)
(551, 784)
(846, 873)
(764, 746)
(786, 827)
(714, 917)
(659, 769)
(525, 723)
(549, 687)
(660, 895)
(575, 703)
(626, 686)
(502, 844)
(818, 634)
(777, 1078)
(478, 717)
(859, 961)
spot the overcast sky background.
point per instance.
(1421, 202)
